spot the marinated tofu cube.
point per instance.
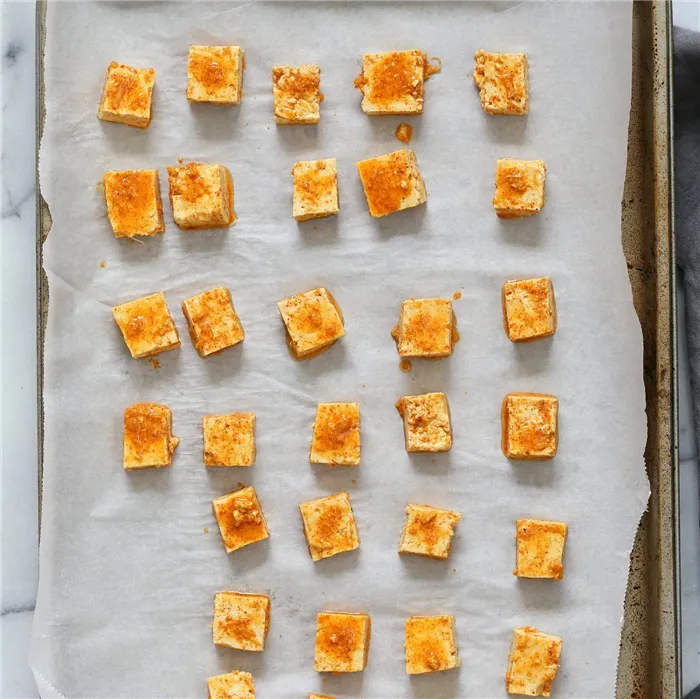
(134, 206)
(127, 95)
(147, 326)
(212, 321)
(392, 182)
(428, 531)
(234, 685)
(431, 644)
(240, 519)
(336, 438)
(540, 549)
(342, 642)
(502, 82)
(529, 426)
(315, 189)
(529, 309)
(519, 188)
(329, 526)
(426, 422)
(296, 94)
(229, 440)
(215, 74)
(425, 329)
(533, 662)
(241, 620)
(148, 436)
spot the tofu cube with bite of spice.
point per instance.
(215, 74)
(296, 94)
(426, 422)
(336, 436)
(342, 642)
(315, 189)
(539, 549)
(134, 206)
(533, 662)
(233, 685)
(431, 644)
(127, 95)
(229, 440)
(240, 519)
(529, 310)
(212, 321)
(241, 620)
(502, 82)
(519, 188)
(428, 531)
(148, 436)
(425, 329)
(329, 526)
(529, 422)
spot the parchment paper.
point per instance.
(130, 562)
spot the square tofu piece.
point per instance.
(241, 620)
(431, 645)
(393, 83)
(127, 95)
(313, 321)
(229, 440)
(147, 325)
(392, 182)
(329, 526)
(529, 423)
(539, 549)
(201, 196)
(212, 321)
(529, 311)
(315, 189)
(234, 685)
(533, 662)
(240, 519)
(296, 94)
(342, 642)
(134, 206)
(426, 422)
(148, 436)
(215, 74)
(428, 531)
(336, 439)
(502, 82)
(425, 329)
(519, 188)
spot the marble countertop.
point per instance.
(19, 425)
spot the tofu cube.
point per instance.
(539, 549)
(148, 436)
(313, 321)
(342, 642)
(329, 526)
(392, 182)
(533, 662)
(425, 329)
(431, 644)
(147, 326)
(529, 310)
(428, 531)
(315, 189)
(229, 440)
(502, 82)
(529, 426)
(127, 95)
(336, 439)
(215, 74)
(134, 206)
(240, 519)
(201, 196)
(212, 321)
(241, 620)
(296, 94)
(519, 188)
(234, 685)
(426, 422)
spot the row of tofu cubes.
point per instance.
(390, 83)
(314, 322)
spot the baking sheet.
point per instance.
(127, 571)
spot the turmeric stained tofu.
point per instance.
(240, 518)
(148, 436)
(519, 188)
(229, 440)
(336, 438)
(234, 685)
(540, 549)
(426, 422)
(529, 310)
(127, 95)
(502, 82)
(392, 182)
(147, 325)
(431, 644)
(296, 94)
(201, 196)
(329, 526)
(315, 189)
(313, 321)
(428, 531)
(533, 662)
(425, 329)
(529, 422)
(134, 205)
(215, 74)
(393, 83)
(342, 642)
(212, 321)
(241, 620)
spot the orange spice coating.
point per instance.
(148, 438)
(540, 549)
(240, 519)
(430, 644)
(342, 642)
(533, 662)
(336, 435)
(329, 526)
(127, 94)
(212, 321)
(529, 423)
(133, 201)
(404, 132)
